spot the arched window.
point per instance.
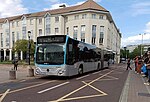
(47, 24)
(24, 28)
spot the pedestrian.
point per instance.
(15, 62)
(128, 64)
(148, 69)
(139, 66)
(136, 62)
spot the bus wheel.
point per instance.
(80, 70)
(98, 66)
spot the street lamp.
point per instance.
(142, 43)
(29, 46)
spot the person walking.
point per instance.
(15, 62)
(128, 64)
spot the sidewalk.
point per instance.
(134, 89)
(21, 74)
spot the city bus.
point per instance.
(61, 55)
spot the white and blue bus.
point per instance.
(60, 55)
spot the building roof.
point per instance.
(88, 5)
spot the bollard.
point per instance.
(31, 72)
(12, 74)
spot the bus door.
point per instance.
(89, 62)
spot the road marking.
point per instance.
(30, 87)
(96, 72)
(3, 96)
(108, 76)
(53, 87)
(63, 98)
(22, 80)
(77, 98)
(82, 77)
(95, 88)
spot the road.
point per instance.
(99, 86)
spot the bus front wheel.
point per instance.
(80, 70)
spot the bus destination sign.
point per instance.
(50, 39)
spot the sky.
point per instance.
(132, 17)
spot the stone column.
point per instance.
(10, 54)
(4, 54)
(21, 54)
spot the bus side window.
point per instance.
(69, 59)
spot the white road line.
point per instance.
(82, 77)
(3, 96)
(96, 72)
(52, 87)
(22, 80)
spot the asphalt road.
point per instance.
(99, 86)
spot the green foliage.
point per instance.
(136, 52)
(22, 45)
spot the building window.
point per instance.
(1, 39)
(101, 28)
(40, 32)
(57, 19)
(31, 21)
(17, 35)
(83, 33)
(23, 32)
(76, 17)
(93, 34)
(101, 38)
(32, 34)
(75, 32)
(84, 16)
(1, 26)
(12, 24)
(47, 29)
(24, 21)
(101, 17)
(13, 38)
(67, 30)
(17, 23)
(7, 37)
(40, 21)
(56, 30)
(47, 24)
(66, 19)
(93, 16)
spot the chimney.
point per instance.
(63, 6)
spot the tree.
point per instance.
(22, 45)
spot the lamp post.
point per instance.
(29, 46)
(142, 44)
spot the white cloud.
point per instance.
(11, 8)
(135, 40)
(141, 8)
(147, 27)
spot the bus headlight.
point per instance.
(37, 70)
(61, 72)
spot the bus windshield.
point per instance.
(50, 54)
